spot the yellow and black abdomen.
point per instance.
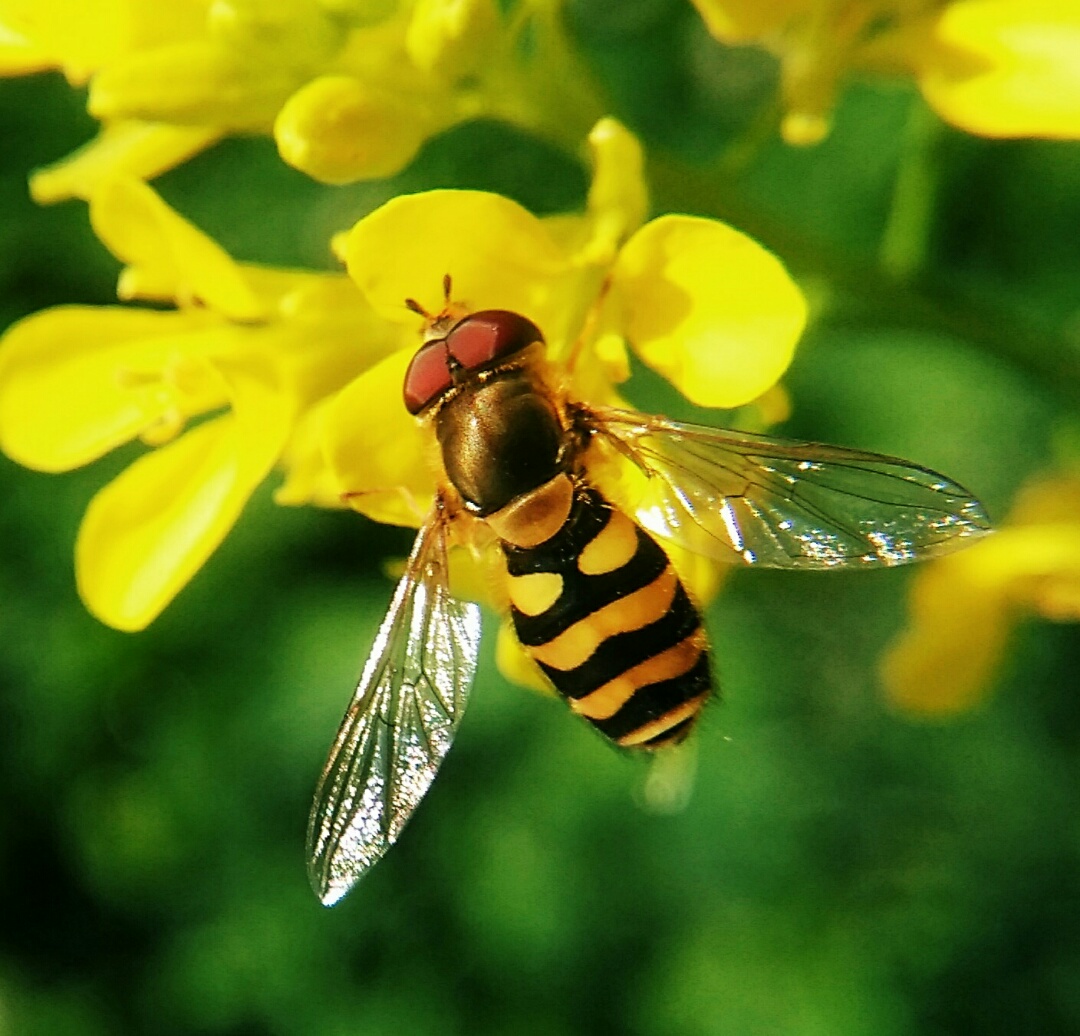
(600, 608)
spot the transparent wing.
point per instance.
(779, 503)
(399, 725)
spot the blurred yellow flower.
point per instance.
(1003, 68)
(964, 606)
(998, 68)
(349, 88)
(224, 386)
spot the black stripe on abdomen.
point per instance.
(652, 701)
(582, 596)
(623, 651)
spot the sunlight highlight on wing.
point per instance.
(399, 726)
(776, 503)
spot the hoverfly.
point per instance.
(593, 596)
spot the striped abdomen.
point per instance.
(600, 608)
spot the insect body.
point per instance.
(600, 608)
(593, 596)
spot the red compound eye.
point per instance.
(428, 376)
(481, 338)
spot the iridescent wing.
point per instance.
(779, 503)
(399, 725)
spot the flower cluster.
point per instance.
(233, 372)
(223, 385)
(998, 68)
(350, 89)
(258, 368)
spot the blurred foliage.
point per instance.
(840, 870)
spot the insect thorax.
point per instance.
(500, 438)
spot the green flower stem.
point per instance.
(907, 237)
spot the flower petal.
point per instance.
(128, 148)
(498, 254)
(76, 381)
(150, 530)
(517, 666)
(165, 251)
(81, 37)
(618, 199)
(77, 37)
(308, 477)
(618, 196)
(372, 445)
(708, 308)
(956, 638)
(19, 56)
(963, 606)
(1004, 68)
(339, 130)
(196, 82)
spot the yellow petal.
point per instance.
(338, 130)
(81, 37)
(963, 606)
(142, 150)
(516, 665)
(599, 368)
(499, 256)
(1006, 68)
(944, 661)
(1047, 499)
(77, 37)
(19, 57)
(450, 37)
(150, 530)
(373, 446)
(197, 82)
(76, 381)
(708, 308)
(164, 250)
(288, 33)
(1037, 565)
(308, 477)
(618, 197)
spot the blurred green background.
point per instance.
(841, 869)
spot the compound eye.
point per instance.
(428, 376)
(489, 335)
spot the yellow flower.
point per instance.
(82, 38)
(223, 386)
(964, 606)
(350, 90)
(998, 68)
(1004, 68)
(700, 303)
(697, 301)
